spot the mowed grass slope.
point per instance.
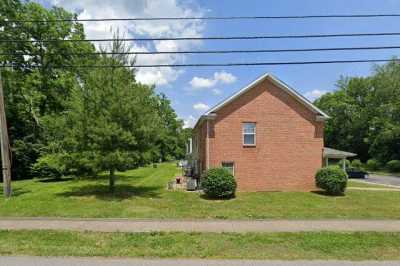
(283, 246)
(141, 193)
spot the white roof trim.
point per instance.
(277, 82)
(333, 153)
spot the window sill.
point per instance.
(249, 145)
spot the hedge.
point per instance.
(332, 179)
(218, 183)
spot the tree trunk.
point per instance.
(112, 180)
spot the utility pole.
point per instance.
(5, 152)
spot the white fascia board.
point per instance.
(297, 95)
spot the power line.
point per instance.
(209, 38)
(216, 51)
(211, 18)
(217, 64)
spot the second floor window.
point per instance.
(249, 134)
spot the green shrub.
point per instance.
(81, 164)
(356, 164)
(50, 165)
(373, 164)
(347, 162)
(218, 183)
(393, 166)
(169, 158)
(332, 179)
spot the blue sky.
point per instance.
(192, 90)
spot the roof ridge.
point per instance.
(280, 84)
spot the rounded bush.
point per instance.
(373, 164)
(332, 179)
(393, 166)
(356, 164)
(219, 183)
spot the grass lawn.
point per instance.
(284, 246)
(142, 193)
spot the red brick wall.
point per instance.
(289, 141)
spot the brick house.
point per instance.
(267, 134)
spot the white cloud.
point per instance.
(142, 8)
(314, 94)
(201, 107)
(189, 121)
(224, 77)
(198, 83)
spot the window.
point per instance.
(249, 134)
(230, 166)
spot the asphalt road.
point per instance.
(383, 179)
(43, 261)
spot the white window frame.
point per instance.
(229, 162)
(255, 134)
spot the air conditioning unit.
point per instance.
(191, 184)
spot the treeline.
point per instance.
(78, 120)
(365, 114)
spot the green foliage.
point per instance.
(332, 179)
(393, 166)
(101, 118)
(356, 164)
(365, 114)
(115, 127)
(50, 165)
(218, 183)
(171, 137)
(373, 164)
(347, 162)
(33, 94)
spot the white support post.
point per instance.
(207, 147)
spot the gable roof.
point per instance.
(280, 84)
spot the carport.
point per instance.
(334, 154)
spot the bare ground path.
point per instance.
(53, 261)
(239, 226)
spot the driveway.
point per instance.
(42, 261)
(383, 179)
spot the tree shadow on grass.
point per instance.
(121, 192)
(118, 176)
(55, 180)
(15, 192)
(324, 193)
(205, 197)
